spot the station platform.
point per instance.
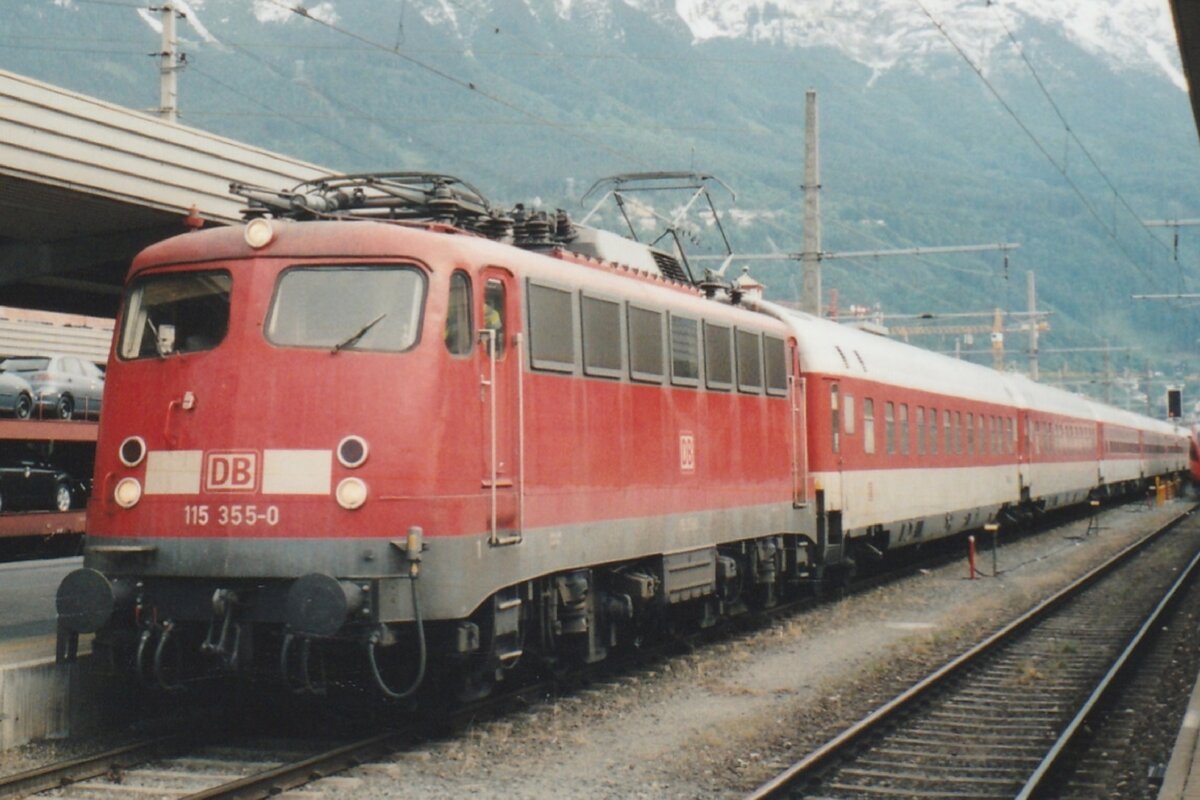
(1182, 778)
(35, 692)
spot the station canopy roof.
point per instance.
(1187, 29)
(85, 184)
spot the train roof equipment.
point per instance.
(432, 199)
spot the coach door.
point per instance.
(500, 355)
(799, 429)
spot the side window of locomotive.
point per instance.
(775, 355)
(868, 425)
(749, 361)
(920, 430)
(848, 413)
(970, 434)
(352, 307)
(645, 344)
(175, 313)
(601, 337)
(718, 357)
(551, 328)
(685, 351)
(493, 313)
(460, 329)
(904, 434)
(933, 431)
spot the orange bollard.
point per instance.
(971, 556)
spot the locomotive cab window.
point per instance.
(180, 312)
(347, 308)
(460, 329)
(494, 310)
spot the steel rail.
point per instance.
(1039, 779)
(52, 776)
(271, 782)
(778, 786)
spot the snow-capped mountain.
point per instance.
(539, 98)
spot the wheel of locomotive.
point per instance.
(65, 408)
(62, 496)
(23, 408)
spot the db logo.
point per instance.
(231, 472)
(687, 452)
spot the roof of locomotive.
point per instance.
(435, 245)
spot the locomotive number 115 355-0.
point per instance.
(233, 514)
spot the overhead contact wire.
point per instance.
(1062, 171)
(299, 10)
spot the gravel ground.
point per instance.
(722, 719)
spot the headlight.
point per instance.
(351, 493)
(127, 492)
(133, 450)
(352, 451)
(258, 233)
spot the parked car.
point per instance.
(63, 386)
(27, 484)
(16, 395)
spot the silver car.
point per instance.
(64, 386)
(16, 395)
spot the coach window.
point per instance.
(645, 344)
(460, 332)
(868, 425)
(601, 337)
(718, 356)
(749, 362)
(835, 424)
(685, 351)
(775, 355)
(848, 413)
(551, 328)
(175, 313)
(904, 429)
(889, 427)
(920, 430)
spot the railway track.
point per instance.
(190, 767)
(997, 721)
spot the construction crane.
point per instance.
(996, 328)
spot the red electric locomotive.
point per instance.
(387, 428)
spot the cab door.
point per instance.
(500, 353)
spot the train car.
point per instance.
(406, 435)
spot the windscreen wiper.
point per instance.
(361, 332)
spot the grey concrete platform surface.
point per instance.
(1182, 779)
(35, 693)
